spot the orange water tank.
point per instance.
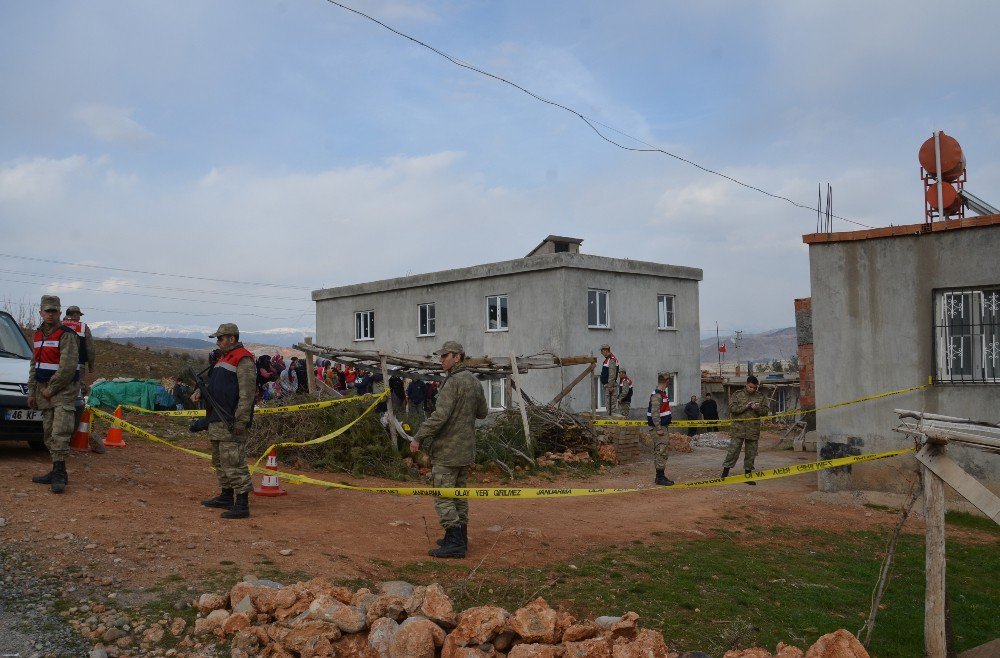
(952, 202)
(952, 159)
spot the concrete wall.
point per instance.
(547, 312)
(872, 312)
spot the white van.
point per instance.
(17, 422)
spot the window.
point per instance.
(665, 312)
(967, 335)
(364, 325)
(672, 389)
(496, 313)
(426, 325)
(498, 394)
(778, 405)
(597, 309)
(602, 397)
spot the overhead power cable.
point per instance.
(592, 123)
(130, 284)
(179, 276)
(12, 302)
(179, 299)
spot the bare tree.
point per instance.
(23, 311)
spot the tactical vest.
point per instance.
(664, 406)
(224, 387)
(622, 383)
(81, 330)
(605, 369)
(47, 354)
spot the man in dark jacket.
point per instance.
(692, 412)
(710, 411)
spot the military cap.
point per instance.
(451, 347)
(226, 329)
(73, 309)
(51, 303)
(605, 346)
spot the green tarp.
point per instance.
(137, 392)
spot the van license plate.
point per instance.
(22, 414)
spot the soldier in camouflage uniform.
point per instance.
(233, 387)
(751, 404)
(449, 437)
(52, 388)
(609, 379)
(625, 388)
(658, 418)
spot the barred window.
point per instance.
(967, 335)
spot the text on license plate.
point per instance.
(22, 414)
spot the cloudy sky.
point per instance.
(299, 145)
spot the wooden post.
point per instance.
(935, 638)
(579, 378)
(593, 394)
(310, 368)
(515, 378)
(392, 414)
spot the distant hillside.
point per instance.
(116, 359)
(766, 346)
(167, 341)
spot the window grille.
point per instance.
(967, 335)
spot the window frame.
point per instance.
(506, 307)
(360, 333)
(430, 319)
(661, 319)
(501, 385)
(598, 292)
(973, 332)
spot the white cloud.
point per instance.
(113, 124)
(38, 178)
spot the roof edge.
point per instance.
(907, 229)
(517, 266)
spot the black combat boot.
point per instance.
(240, 509)
(44, 479)
(725, 471)
(751, 482)
(453, 545)
(464, 534)
(59, 478)
(223, 501)
(661, 479)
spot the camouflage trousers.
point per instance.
(612, 400)
(58, 426)
(229, 458)
(661, 448)
(624, 407)
(452, 512)
(749, 455)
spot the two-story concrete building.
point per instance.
(555, 300)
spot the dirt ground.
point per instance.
(133, 516)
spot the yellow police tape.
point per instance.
(262, 411)
(509, 493)
(610, 422)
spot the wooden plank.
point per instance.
(310, 368)
(971, 489)
(515, 379)
(392, 415)
(569, 387)
(935, 638)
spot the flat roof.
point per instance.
(516, 266)
(896, 231)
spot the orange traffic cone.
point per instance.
(269, 485)
(81, 437)
(114, 437)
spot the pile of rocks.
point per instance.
(316, 619)
(680, 442)
(565, 457)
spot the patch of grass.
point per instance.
(972, 522)
(718, 593)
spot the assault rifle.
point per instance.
(201, 424)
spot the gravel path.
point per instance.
(29, 626)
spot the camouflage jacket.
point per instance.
(449, 434)
(88, 341)
(246, 377)
(739, 407)
(69, 357)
